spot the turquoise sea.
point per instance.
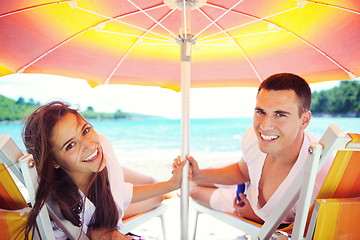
(149, 146)
(206, 135)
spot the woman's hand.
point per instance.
(244, 209)
(106, 234)
(177, 172)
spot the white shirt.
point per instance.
(255, 159)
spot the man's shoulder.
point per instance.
(250, 147)
(310, 136)
(249, 137)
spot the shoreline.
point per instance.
(317, 115)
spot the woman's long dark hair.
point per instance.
(55, 182)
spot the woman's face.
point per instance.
(76, 148)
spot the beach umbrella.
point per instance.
(178, 44)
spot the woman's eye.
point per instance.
(87, 130)
(70, 146)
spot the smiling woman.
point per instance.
(79, 169)
(58, 155)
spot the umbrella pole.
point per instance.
(185, 49)
(185, 136)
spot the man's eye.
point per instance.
(281, 115)
(259, 112)
(70, 146)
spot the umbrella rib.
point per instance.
(237, 44)
(22, 69)
(237, 36)
(159, 22)
(119, 63)
(51, 50)
(156, 21)
(185, 27)
(318, 50)
(298, 37)
(334, 6)
(116, 19)
(32, 7)
(137, 36)
(135, 43)
(218, 18)
(245, 24)
(162, 44)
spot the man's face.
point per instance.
(277, 123)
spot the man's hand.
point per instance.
(244, 209)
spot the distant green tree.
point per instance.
(343, 99)
(12, 110)
(319, 102)
(20, 101)
(119, 114)
(31, 101)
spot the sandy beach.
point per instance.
(158, 164)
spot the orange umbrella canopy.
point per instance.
(234, 43)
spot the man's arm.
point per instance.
(230, 175)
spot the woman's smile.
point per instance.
(92, 157)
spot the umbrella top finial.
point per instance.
(180, 3)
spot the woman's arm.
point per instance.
(143, 192)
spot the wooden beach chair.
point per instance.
(25, 171)
(336, 185)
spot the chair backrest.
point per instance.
(338, 200)
(13, 206)
(10, 195)
(343, 179)
(25, 171)
(10, 152)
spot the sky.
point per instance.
(204, 102)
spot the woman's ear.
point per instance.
(57, 166)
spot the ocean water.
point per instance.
(206, 135)
(149, 146)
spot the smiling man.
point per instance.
(274, 149)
